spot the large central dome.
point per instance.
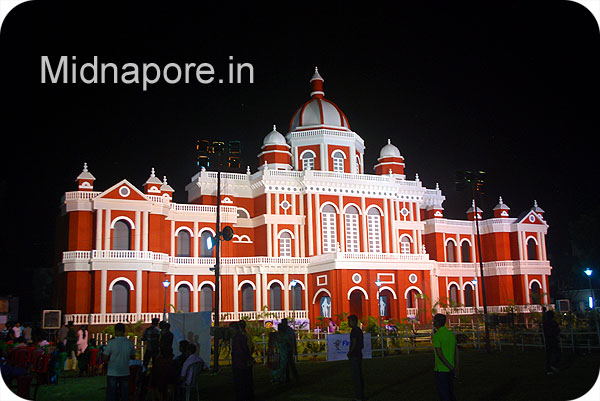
(319, 112)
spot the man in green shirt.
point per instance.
(446, 358)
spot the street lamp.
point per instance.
(378, 284)
(165, 284)
(589, 272)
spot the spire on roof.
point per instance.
(316, 83)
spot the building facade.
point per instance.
(315, 235)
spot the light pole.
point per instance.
(378, 284)
(589, 272)
(476, 180)
(165, 284)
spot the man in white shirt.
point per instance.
(118, 352)
(186, 371)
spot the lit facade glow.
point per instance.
(310, 216)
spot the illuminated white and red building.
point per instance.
(313, 233)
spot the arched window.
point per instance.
(206, 298)
(374, 229)
(357, 164)
(465, 252)
(338, 161)
(308, 160)
(247, 298)
(183, 243)
(405, 244)
(535, 293)
(450, 251)
(204, 251)
(453, 294)
(412, 299)
(351, 223)
(120, 297)
(468, 295)
(275, 297)
(242, 214)
(122, 236)
(328, 228)
(285, 244)
(531, 249)
(296, 297)
(385, 304)
(183, 298)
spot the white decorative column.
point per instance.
(107, 229)
(286, 292)
(98, 229)
(393, 211)
(173, 238)
(365, 240)
(296, 241)
(306, 293)
(138, 231)
(526, 286)
(196, 291)
(172, 292)
(196, 240)
(145, 229)
(236, 302)
(302, 214)
(103, 291)
(309, 223)
(544, 289)
(138, 292)
(386, 227)
(342, 239)
(323, 157)
(258, 292)
(318, 224)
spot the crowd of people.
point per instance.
(160, 374)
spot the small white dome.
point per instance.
(274, 138)
(389, 150)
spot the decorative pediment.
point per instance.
(531, 217)
(123, 190)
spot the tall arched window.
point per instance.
(531, 249)
(468, 295)
(412, 299)
(308, 160)
(351, 223)
(465, 252)
(296, 297)
(247, 298)
(285, 244)
(338, 161)
(405, 244)
(374, 229)
(275, 297)
(183, 298)
(357, 164)
(450, 251)
(453, 294)
(204, 251)
(120, 297)
(535, 293)
(122, 236)
(206, 298)
(328, 228)
(183, 243)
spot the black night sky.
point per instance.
(507, 87)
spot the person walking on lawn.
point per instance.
(446, 358)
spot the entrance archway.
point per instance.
(356, 303)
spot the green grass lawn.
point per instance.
(498, 376)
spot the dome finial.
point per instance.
(389, 141)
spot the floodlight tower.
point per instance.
(476, 181)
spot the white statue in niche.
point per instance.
(325, 307)
(382, 306)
